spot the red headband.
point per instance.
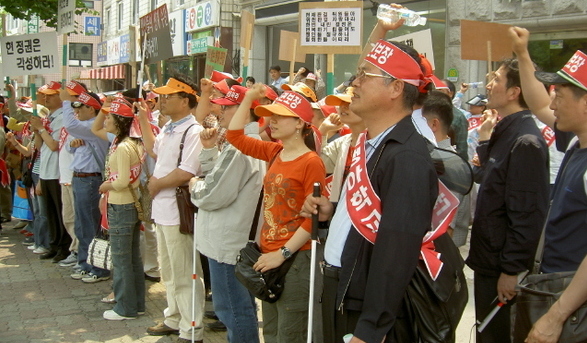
(121, 108)
(395, 62)
(89, 100)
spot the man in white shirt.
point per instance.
(176, 252)
(47, 140)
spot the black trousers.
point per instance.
(336, 323)
(498, 330)
(60, 239)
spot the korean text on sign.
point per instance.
(331, 26)
(30, 54)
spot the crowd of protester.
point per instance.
(111, 165)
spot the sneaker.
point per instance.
(78, 275)
(29, 241)
(32, 247)
(111, 315)
(93, 278)
(70, 261)
(20, 225)
(161, 330)
(41, 250)
(76, 267)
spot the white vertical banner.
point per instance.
(30, 54)
(65, 16)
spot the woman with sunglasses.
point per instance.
(123, 168)
(294, 168)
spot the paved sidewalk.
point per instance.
(39, 302)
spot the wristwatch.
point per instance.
(285, 252)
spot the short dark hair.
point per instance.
(250, 78)
(439, 105)
(192, 100)
(411, 92)
(578, 93)
(451, 87)
(275, 67)
(513, 77)
(232, 82)
(95, 96)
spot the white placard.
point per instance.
(421, 41)
(30, 54)
(177, 32)
(65, 16)
(330, 26)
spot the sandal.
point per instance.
(109, 299)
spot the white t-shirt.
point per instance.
(49, 168)
(164, 209)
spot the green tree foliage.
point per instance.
(45, 9)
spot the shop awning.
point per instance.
(107, 73)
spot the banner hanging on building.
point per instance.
(177, 32)
(155, 29)
(30, 54)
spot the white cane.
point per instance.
(194, 277)
(316, 194)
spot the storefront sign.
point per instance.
(33, 25)
(30, 54)
(114, 51)
(202, 16)
(92, 26)
(200, 45)
(102, 54)
(124, 48)
(155, 29)
(421, 41)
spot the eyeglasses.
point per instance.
(168, 96)
(362, 74)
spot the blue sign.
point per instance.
(125, 48)
(92, 26)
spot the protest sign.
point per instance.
(288, 51)
(215, 59)
(177, 32)
(484, 41)
(30, 54)
(331, 27)
(65, 16)
(421, 41)
(155, 30)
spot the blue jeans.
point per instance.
(40, 228)
(129, 279)
(233, 304)
(87, 218)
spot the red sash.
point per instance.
(364, 208)
(63, 134)
(135, 173)
(548, 135)
(474, 122)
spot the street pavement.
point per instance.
(39, 302)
